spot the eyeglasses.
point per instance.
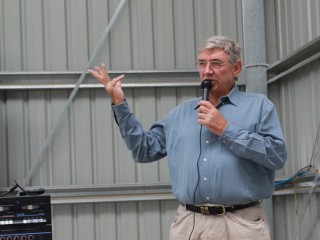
(214, 64)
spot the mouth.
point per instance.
(212, 80)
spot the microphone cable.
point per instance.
(195, 190)
(206, 86)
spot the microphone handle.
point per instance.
(205, 95)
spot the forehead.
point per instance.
(213, 53)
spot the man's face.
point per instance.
(214, 65)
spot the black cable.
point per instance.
(23, 192)
(15, 186)
(195, 190)
(10, 190)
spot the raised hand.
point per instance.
(112, 86)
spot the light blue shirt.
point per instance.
(237, 167)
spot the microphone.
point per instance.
(206, 85)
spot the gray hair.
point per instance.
(229, 47)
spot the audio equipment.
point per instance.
(25, 218)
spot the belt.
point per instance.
(219, 209)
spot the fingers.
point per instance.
(205, 104)
(100, 73)
(104, 72)
(117, 79)
(93, 73)
(205, 107)
(206, 111)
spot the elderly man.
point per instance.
(222, 153)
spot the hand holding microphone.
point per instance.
(208, 115)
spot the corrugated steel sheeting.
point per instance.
(87, 148)
(60, 35)
(299, 111)
(297, 22)
(130, 220)
(297, 96)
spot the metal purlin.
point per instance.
(35, 165)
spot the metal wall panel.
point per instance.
(132, 220)
(32, 41)
(87, 147)
(297, 96)
(290, 25)
(297, 22)
(61, 35)
(287, 220)
(55, 35)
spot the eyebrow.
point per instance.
(213, 59)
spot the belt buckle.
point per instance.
(223, 210)
(205, 210)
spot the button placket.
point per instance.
(204, 171)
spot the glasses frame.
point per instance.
(213, 64)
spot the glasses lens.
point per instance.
(212, 64)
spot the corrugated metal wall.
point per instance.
(289, 25)
(87, 148)
(297, 22)
(129, 220)
(296, 95)
(60, 36)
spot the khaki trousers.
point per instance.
(246, 224)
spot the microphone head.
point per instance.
(206, 84)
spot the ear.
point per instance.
(237, 68)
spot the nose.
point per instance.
(207, 69)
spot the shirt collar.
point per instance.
(230, 98)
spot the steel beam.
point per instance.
(68, 80)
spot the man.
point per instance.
(222, 153)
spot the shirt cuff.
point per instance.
(121, 111)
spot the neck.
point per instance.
(214, 97)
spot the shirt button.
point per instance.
(205, 179)
(204, 159)
(207, 141)
(207, 198)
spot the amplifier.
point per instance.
(25, 218)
